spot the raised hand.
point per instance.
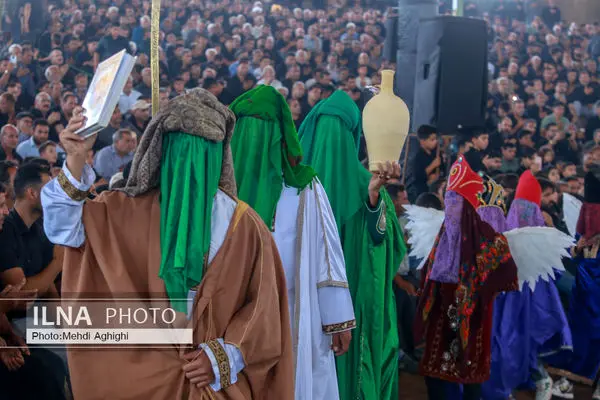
(386, 171)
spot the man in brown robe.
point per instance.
(121, 244)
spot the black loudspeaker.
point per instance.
(451, 82)
(390, 45)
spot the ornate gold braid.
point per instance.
(70, 190)
(222, 362)
(342, 326)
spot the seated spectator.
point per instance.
(9, 139)
(493, 162)
(112, 159)
(30, 148)
(296, 111)
(510, 162)
(593, 123)
(111, 44)
(476, 156)
(268, 78)
(547, 155)
(27, 261)
(526, 140)
(24, 126)
(116, 122)
(129, 97)
(557, 117)
(139, 116)
(573, 186)
(552, 174)
(312, 98)
(49, 153)
(424, 168)
(214, 86)
(569, 170)
(581, 101)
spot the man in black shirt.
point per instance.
(551, 14)
(476, 156)
(582, 100)
(25, 251)
(235, 85)
(424, 168)
(111, 44)
(26, 255)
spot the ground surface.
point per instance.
(412, 387)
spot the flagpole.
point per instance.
(154, 55)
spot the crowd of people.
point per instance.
(542, 117)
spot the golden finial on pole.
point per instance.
(154, 55)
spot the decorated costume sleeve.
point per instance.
(335, 302)
(226, 360)
(62, 201)
(376, 222)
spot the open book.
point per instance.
(104, 92)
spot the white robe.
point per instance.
(319, 300)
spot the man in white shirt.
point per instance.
(30, 147)
(128, 97)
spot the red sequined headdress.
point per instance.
(464, 181)
(529, 188)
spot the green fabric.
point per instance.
(332, 150)
(329, 138)
(369, 370)
(190, 173)
(373, 222)
(263, 141)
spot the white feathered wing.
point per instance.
(423, 227)
(537, 251)
(571, 208)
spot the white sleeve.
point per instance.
(337, 314)
(335, 302)
(62, 214)
(225, 372)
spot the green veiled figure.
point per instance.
(373, 247)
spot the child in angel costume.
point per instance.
(466, 263)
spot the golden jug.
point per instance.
(386, 122)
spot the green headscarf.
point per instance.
(189, 179)
(263, 141)
(330, 136)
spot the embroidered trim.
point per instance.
(70, 189)
(342, 326)
(331, 283)
(239, 212)
(298, 283)
(374, 210)
(382, 221)
(222, 362)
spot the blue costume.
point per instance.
(584, 314)
(527, 324)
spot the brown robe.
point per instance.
(242, 298)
